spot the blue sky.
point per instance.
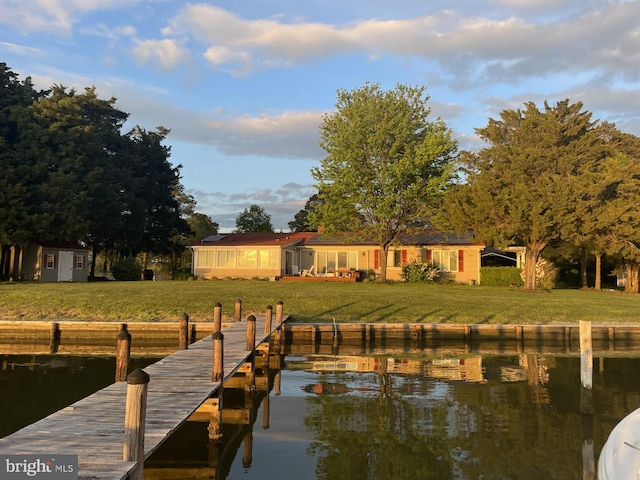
(243, 85)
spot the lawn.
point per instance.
(312, 302)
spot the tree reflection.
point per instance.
(403, 426)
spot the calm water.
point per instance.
(374, 417)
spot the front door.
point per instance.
(65, 266)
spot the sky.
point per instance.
(243, 85)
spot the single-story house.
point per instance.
(268, 255)
(54, 262)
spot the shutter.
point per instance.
(429, 256)
(376, 259)
(404, 257)
(461, 260)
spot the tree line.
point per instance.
(69, 172)
(550, 179)
(553, 180)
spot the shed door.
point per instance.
(65, 267)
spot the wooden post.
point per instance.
(566, 338)
(268, 320)
(265, 412)
(611, 335)
(247, 451)
(214, 428)
(588, 455)
(54, 337)
(134, 421)
(251, 333)
(277, 383)
(238, 311)
(55, 332)
(217, 375)
(218, 357)
(217, 317)
(250, 386)
(279, 308)
(184, 331)
(586, 367)
(123, 353)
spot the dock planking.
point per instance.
(93, 428)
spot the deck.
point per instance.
(93, 428)
(339, 275)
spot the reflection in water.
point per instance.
(386, 417)
(34, 386)
(399, 416)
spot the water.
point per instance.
(403, 416)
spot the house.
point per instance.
(269, 255)
(54, 262)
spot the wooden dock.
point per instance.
(93, 428)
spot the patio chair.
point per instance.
(309, 272)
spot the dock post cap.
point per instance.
(280, 302)
(217, 335)
(218, 304)
(138, 377)
(251, 318)
(184, 316)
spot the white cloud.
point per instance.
(480, 48)
(22, 50)
(53, 16)
(167, 53)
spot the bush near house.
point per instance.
(416, 271)
(126, 269)
(500, 276)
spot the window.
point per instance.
(445, 260)
(79, 262)
(226, 259)
(330, 261)
(247, 258)
(205, 258)
(50, 261)
(268, 258)
(397, 258)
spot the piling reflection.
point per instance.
(407, 416)
(335, 411)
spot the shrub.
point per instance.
(417, 272)
(126, 269)
(546, 274)
(500, 276)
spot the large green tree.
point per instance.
(253, 219)
(301, 221)
(386, 168)
(15, 98)
(524, 188)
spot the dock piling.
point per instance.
(217, 317)
(268, 319)
(184, 331)
(586, 368)
(134, 421)
(251, 333)
(54, 337)
(123, 353)
(238, 311)
(218, 357)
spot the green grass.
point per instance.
(312, 302)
